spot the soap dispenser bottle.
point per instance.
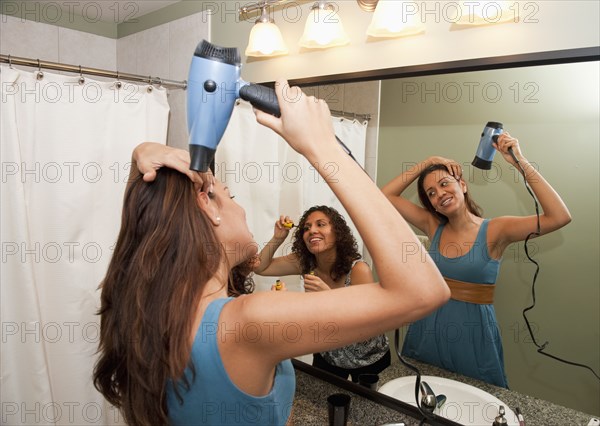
(500, 420)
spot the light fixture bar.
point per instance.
(251, 7)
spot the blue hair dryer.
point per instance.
(214, 84)
(485, 150)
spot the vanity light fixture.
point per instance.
(323, 28)
(265, 37)
(367, 5)
(394, 18)
(487, 12)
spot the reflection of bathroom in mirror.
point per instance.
(554, 112)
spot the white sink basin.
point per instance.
(465, 404)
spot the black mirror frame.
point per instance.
(379, 398)
(584, 54)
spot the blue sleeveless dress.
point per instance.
(213, 399)
(461, 337)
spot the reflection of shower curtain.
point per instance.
(269, 178)
(66, 149)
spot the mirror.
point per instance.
(553, 109)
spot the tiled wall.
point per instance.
(166, 51)
(358, 98)
(51, 43)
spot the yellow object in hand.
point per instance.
(278, 285)
(288, 225)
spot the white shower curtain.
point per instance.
(268, 178)
(66, 149)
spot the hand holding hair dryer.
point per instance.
(214, 84)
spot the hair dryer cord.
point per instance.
(541, 348)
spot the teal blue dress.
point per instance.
(462, 337)
(213, 399)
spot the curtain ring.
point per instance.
(159, 81)
(9, 62)
(118, 83)
(81, 77)
(40, 73)
(150, 88)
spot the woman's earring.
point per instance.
(218, 219)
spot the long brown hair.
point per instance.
(346, 249)
(166, 251)
(471, 205)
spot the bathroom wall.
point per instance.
(166, 51)
(56, 44)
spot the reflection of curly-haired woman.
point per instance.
(325, 252)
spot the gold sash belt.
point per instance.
(481, 294)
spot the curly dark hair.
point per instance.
(472, 206)
(346, 249)
(240, 279)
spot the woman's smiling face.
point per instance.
(318, 234)
(444, 191)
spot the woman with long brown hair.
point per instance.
(463, 335)
(177, 346)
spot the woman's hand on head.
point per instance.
(314, 283)
(305, 121)
(151, 156)
(506, 142)
(452, 166)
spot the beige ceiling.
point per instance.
(106, 10)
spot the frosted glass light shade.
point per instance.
(323, 29)
(265, 40)
(394, 18)
(487, 12)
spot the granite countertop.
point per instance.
(310, 405)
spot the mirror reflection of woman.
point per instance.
(463, 335)
(177, 343)
(325, 254)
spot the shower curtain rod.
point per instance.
(352, 115)
(13, 60)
